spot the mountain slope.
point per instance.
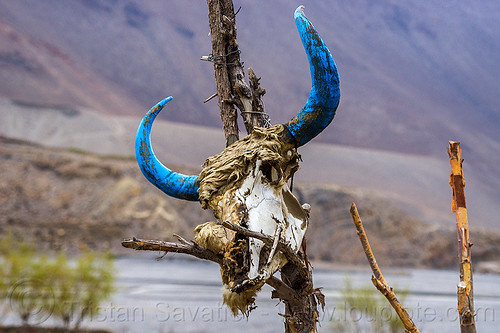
(412, 74)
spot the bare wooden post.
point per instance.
(458, 206)
(377, 278)
(232, 89)
(220, 56)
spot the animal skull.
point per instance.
(246, 184)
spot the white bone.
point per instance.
(266, 207)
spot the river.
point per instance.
(185, 296)
(176, 295)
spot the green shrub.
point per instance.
(37, 287)
(80, 292)
(366, 306)
(3, 282)
(22, 290)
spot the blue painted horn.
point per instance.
(319, 110)
(172, 183)
(315, 116)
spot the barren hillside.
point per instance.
(71, 200)
(414, 183)
(81, 73)
(413, 76)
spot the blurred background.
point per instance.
(77, 76)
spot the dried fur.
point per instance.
(240, 302)
(213, 237)
(228, 169)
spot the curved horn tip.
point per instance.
(323, 100)
(299, 11)
(159, 106)
(165, 101)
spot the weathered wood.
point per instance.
(229, 74)
(301, 311)
(258, 116)
(458, 206)
(221, 56)
(183, 246)
(378, 279)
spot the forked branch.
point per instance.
(282, 291)
(377, 277)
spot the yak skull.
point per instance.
(246, 184)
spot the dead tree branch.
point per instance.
(282, 291)
(220, 57)
(257, 117)
(377, 278)
(183, 246)
(458, 206)
(229, 74)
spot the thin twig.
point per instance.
(378, 279)
(277, 236)
(183, 240)
(210, 98)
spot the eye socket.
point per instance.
(270, 173)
